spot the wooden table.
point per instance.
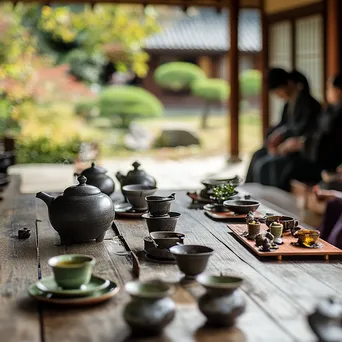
(279, 295)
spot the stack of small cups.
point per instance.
(159, 217)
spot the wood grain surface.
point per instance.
(279, 295)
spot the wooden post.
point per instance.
(265, 108)
(333, 46)
(234, 80)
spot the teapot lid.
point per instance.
(136, 170)
(81, 189)
(93, 171)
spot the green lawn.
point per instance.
(215, 140)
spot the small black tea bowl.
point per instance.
(163, 223)
(191, 259)
(159, 205)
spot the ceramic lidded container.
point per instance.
(97, 176)
(151, 308)
(223, 302)
(81, 213)
(136, 176)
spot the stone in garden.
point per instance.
(176, 137)
(138, 138)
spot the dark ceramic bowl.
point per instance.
(158, 253)
(241, 207)
(164, 223)
(191, 259)
(159, 205)
(136, 194)
(288, 222)
(211, 182)
(167, 239)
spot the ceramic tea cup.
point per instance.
(151, 308)
(191, 259)
(136, 194)
(167, 239)
(163, 223)
(276, 229)
(159, 205)
(71, 271)
(307, 237)
(253, 230)
(289, 223)
(222, 303)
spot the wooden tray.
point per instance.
(229, 215)
(196, 198)
(286, 249)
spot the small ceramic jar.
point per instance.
(151, 308)
(223, 302)
(253, 230)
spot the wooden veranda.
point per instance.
(288, 28)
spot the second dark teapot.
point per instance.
(96, 176)
(136, 176)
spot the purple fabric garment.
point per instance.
(331, 217)
(335, 237)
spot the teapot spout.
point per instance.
(45, 197)
(120, 177)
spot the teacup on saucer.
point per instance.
(71, 271)
(49, 285)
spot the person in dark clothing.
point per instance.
(331, 226)
(304, 158)
(299, 116)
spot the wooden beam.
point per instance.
(234, 99)
(205, 3)
(333, 46)
(265, 105)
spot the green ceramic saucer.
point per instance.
(94, 298)
(48, 285)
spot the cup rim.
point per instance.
(134, 288)
(138, 187)
(205, 280)
(175, 250)
(176, 235)
(52, 262)
(158, 199)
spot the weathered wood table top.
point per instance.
(279, 295)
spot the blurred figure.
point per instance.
(304, 158)
(299, 116)
(331, 227)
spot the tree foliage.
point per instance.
(122, 104)
(211, 89)
(115, 32)
(17, 54)
(250, 83)
(178, 75)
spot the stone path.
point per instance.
(170, 174)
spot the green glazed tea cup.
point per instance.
(276, 229)
(71, 271)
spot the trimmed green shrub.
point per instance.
(127, 103)
(86, 109)
(177, 75)
(211, 89)
(250, 83)
(42, 150)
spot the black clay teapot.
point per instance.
(136, 176)
(81, 213)
(96, 176)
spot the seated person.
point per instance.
(304, 158)
(299, 116)
(331, 227)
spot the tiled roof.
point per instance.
(208, 31)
